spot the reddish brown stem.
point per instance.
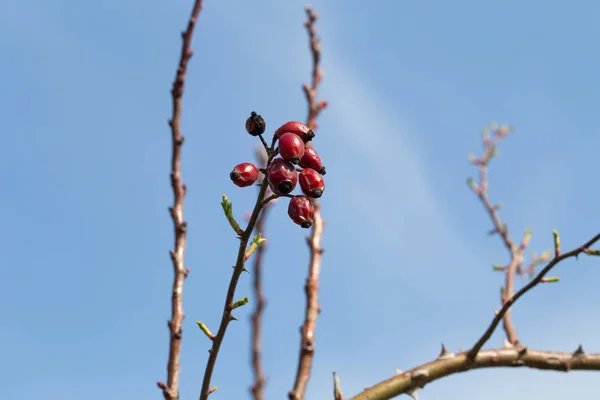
(307, 331)
(171, 388)
(257, 388)
(515, 252)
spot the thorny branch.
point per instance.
(534, 282)
(516, 252)
(257, 388)
(307, 331)
(513, 354)
(229, 306)
(171, 388)
(448, 364)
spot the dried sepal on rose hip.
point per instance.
(311, 183)
(300, 129)
(301, 211)
(255, 124)
(291, 147)
(282, 176)
(311, 159)
(244, 174)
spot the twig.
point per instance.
(449, 364)
(171, 388)
(515, 251)
(257, 388)
(311, 287)
(337, 391)
(534, 282)
(238, 269)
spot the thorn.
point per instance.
(232, 318)
(445, 353)
(579, 352)
(337, 392)
(162, 386)
(414, 393)
(522, 351)
(211, 390)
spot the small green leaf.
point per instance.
(205, 329)
(256, 241)
(240, 303)
(473, 185)
(527, 237)
(228, 210)
(550, 279)
(556, 242)
(591, 252)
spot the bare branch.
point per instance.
(515, 252)
(533, 283)
(307, 331)
(506, 357)
(171, 388)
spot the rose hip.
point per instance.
(291, 147)
(311, 183)
(255, 124)
(311, 159)
(282, 176)
(244, 174)
(301, 211)
(296, 127)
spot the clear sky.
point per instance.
(86, 275)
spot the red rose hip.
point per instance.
(311, 183)
(300, 129)
(282, 176)
(301, 211)
(244, 174)
(255, 124)
(311, 159)
(291, 147)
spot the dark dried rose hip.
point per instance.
(291, 147)
(255, 124)
(311, 159)
(301, 211)
(244, 174)
(296, 127)
(282, 176)
(311, 183)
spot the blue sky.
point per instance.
(84, 297)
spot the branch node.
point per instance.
(420, 375)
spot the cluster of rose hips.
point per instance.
(281, 172)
